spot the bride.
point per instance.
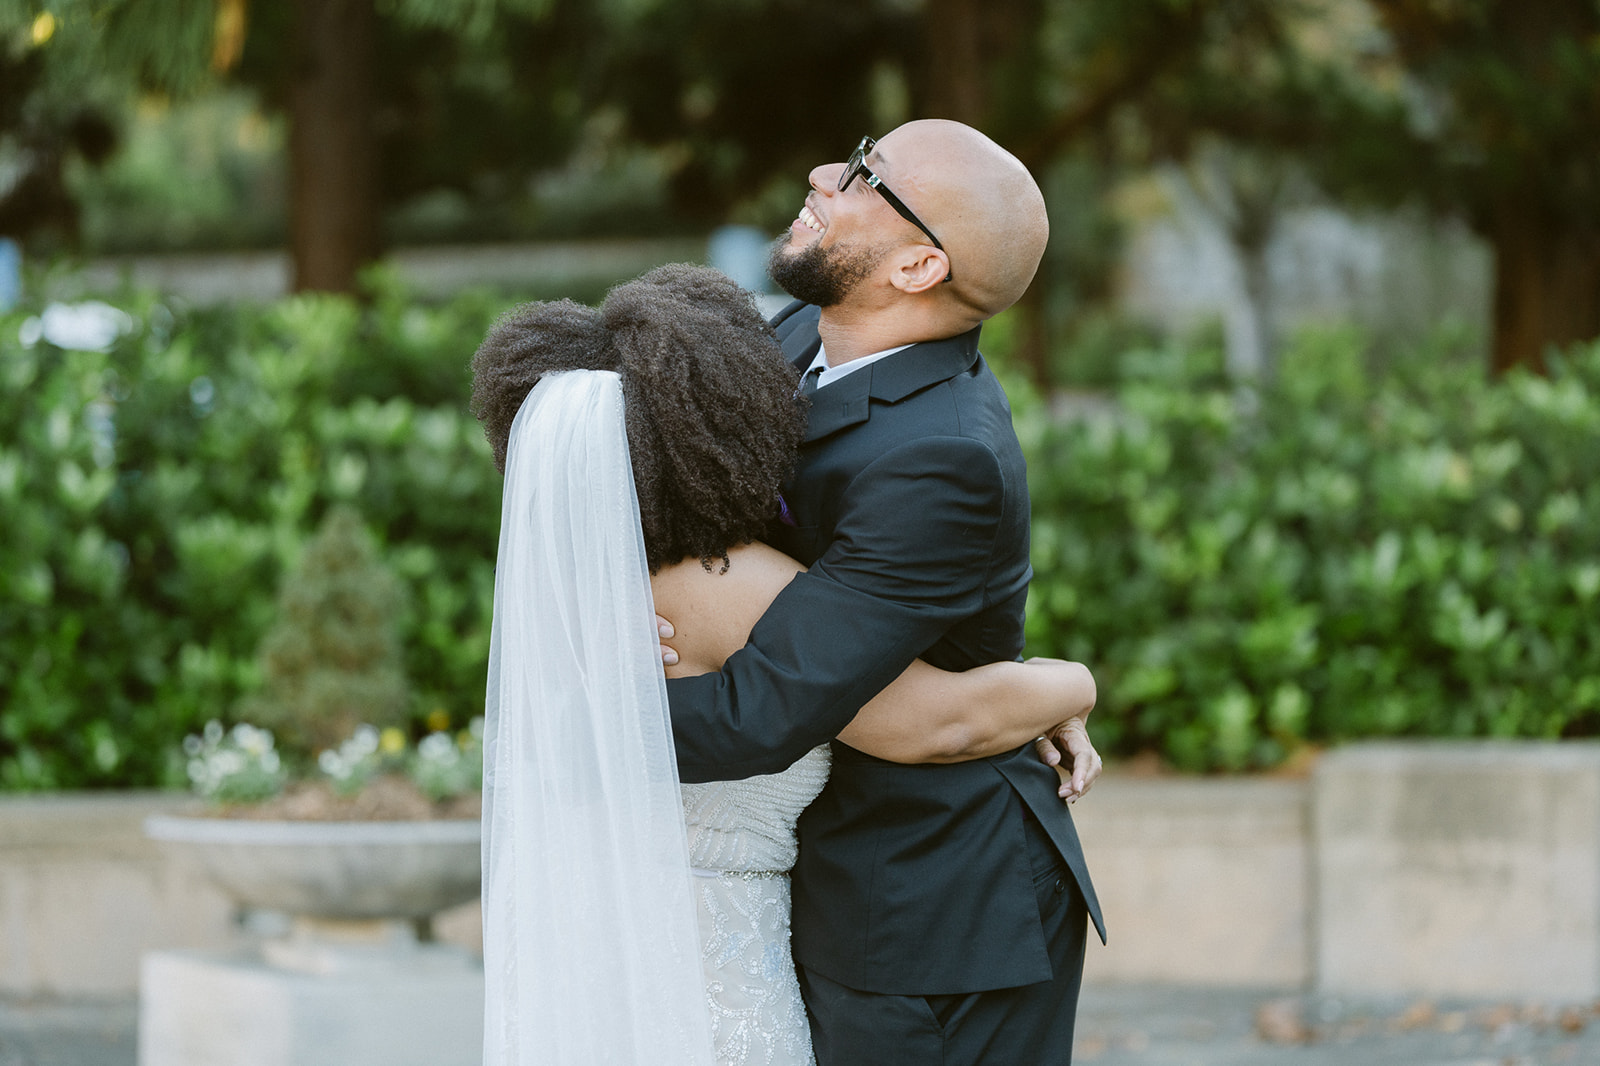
(628, 919)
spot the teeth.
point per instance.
(811, 220)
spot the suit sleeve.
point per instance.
(911, 556)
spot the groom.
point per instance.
(939, 910)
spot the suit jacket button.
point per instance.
(1061, 885)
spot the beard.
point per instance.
(818, 275)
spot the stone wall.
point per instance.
(83, 894)
(1202, 881)
(1468, 869)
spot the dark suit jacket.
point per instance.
(910, 504)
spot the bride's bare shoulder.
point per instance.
(713, 610)
(750, 566)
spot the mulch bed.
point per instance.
(384, 799)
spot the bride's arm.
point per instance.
(927, 715)
(933, 715)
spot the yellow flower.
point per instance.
(44, 28)
(392, 741)
(438, 720)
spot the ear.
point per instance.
(918, 268)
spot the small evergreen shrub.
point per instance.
(331, 661)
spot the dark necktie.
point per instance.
(808, 384)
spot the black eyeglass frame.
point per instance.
(856, 166)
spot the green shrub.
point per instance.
(331, 660)
(1350, 555)
(153, 494)
(1344, 555)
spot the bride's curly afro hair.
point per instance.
(713, 423)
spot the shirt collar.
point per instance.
(831, 374)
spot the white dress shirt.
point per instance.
(830, 374)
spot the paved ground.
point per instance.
(68, 1034)
(1152, 1026)
(1129, 1026)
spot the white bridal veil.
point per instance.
(591, 953)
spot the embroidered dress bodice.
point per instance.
(742, 845)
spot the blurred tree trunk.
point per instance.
(956, 34)
(1546, 287)
(964, 41)
(1513, 131)
(332, 149)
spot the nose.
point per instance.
(825, 179)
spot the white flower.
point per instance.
(438, 746)
(364, 741)
(90, 326)
(256, 742)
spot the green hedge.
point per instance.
(1409, 553)
(152, 496)
(1347, 554)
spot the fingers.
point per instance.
(1048, 753)
(1086, 769)
(1086, 762)
(1065, 791)
(664, 628)
(1071, 776)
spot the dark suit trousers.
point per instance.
(1026, 1026)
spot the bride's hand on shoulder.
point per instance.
(664, 627)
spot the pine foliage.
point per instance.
(332, 660)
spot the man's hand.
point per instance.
(664, 627)
(1081, 764)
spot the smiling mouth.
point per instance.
(811, 221)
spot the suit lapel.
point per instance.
(841, 404)
(891, 379)
(897, 376)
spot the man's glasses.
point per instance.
(856, 167)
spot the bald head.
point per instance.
(981, 201)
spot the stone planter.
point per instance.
(331, 870)
(356, 981)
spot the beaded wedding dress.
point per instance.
(742, 845)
